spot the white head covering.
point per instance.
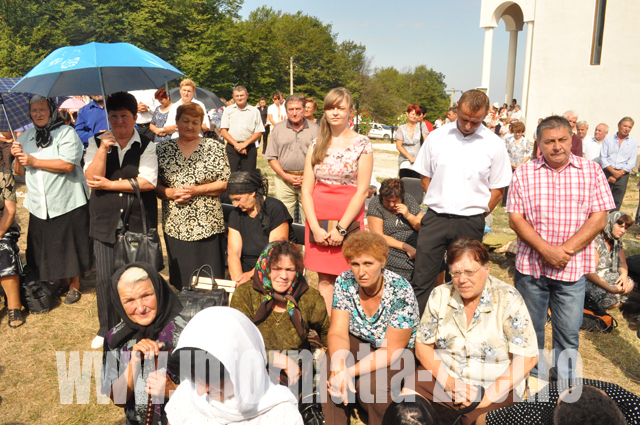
(236, 342)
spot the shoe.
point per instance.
(72, 296)
(15, 318)
(97, 342)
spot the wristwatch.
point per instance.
(340, 230)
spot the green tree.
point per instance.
(388, 92)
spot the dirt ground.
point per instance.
(30, 391)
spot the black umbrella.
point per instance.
(210, 99)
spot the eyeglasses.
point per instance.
(39, 111)
(467, 273)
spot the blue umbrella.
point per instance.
(96, 68)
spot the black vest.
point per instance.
(106, 206)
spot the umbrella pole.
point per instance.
(104, 98)
(13, 135)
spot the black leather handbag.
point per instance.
(194, 300)
(131, 247)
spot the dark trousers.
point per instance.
(436, 233)
(618, 189)
(107, 315)
(239, 162)
(265, 138)
(379, 385)
(434, 392)
(405, 172)
(145, 130)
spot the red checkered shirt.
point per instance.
(557, 204)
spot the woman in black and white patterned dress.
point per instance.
(396, 216)
(192, 173)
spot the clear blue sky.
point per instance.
(443, 35)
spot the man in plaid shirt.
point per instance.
(557, 204)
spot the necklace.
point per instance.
(278, 316)
(378, 291)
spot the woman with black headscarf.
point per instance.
(283, 306)
(48, 157)
(149, 331)
(256, 221)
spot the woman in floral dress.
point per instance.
(375, 314)
(337, 175)
(478, 330)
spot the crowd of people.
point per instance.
(380, 305)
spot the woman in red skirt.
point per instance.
(337, 175)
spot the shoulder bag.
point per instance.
(131, 247)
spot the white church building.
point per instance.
(582, 55)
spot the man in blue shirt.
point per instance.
(91, 120)
(619, 153)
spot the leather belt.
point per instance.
(455, 215)
(294, 173)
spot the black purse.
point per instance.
(194, 300)
(131, 247)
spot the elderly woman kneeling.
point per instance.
(475, 331)
(151, 325)
(374, 317)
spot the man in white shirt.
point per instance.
(241, 126)
(464, 169)
(516, 115)
(147, 105)
(591, 146)
(276, 113)
(187, 91)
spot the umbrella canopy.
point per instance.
(16, 106)
(209, 98)
(15, 111)
(72, 103)
(96, 68)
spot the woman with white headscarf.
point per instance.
(228, 383)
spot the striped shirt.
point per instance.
(557, 203)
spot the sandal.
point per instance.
(15, 318)
(638, 236)
(72, 296)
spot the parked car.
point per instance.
(380, 131)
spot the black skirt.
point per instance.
(185, 257)
(60, 247)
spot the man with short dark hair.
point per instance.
(241, 126)
(287, 150)
(619, 154)
(557, 205)
(464, 169)
(452, 114)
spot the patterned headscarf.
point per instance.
(612, 219)
(262, 283)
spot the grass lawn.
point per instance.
(30, 393)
